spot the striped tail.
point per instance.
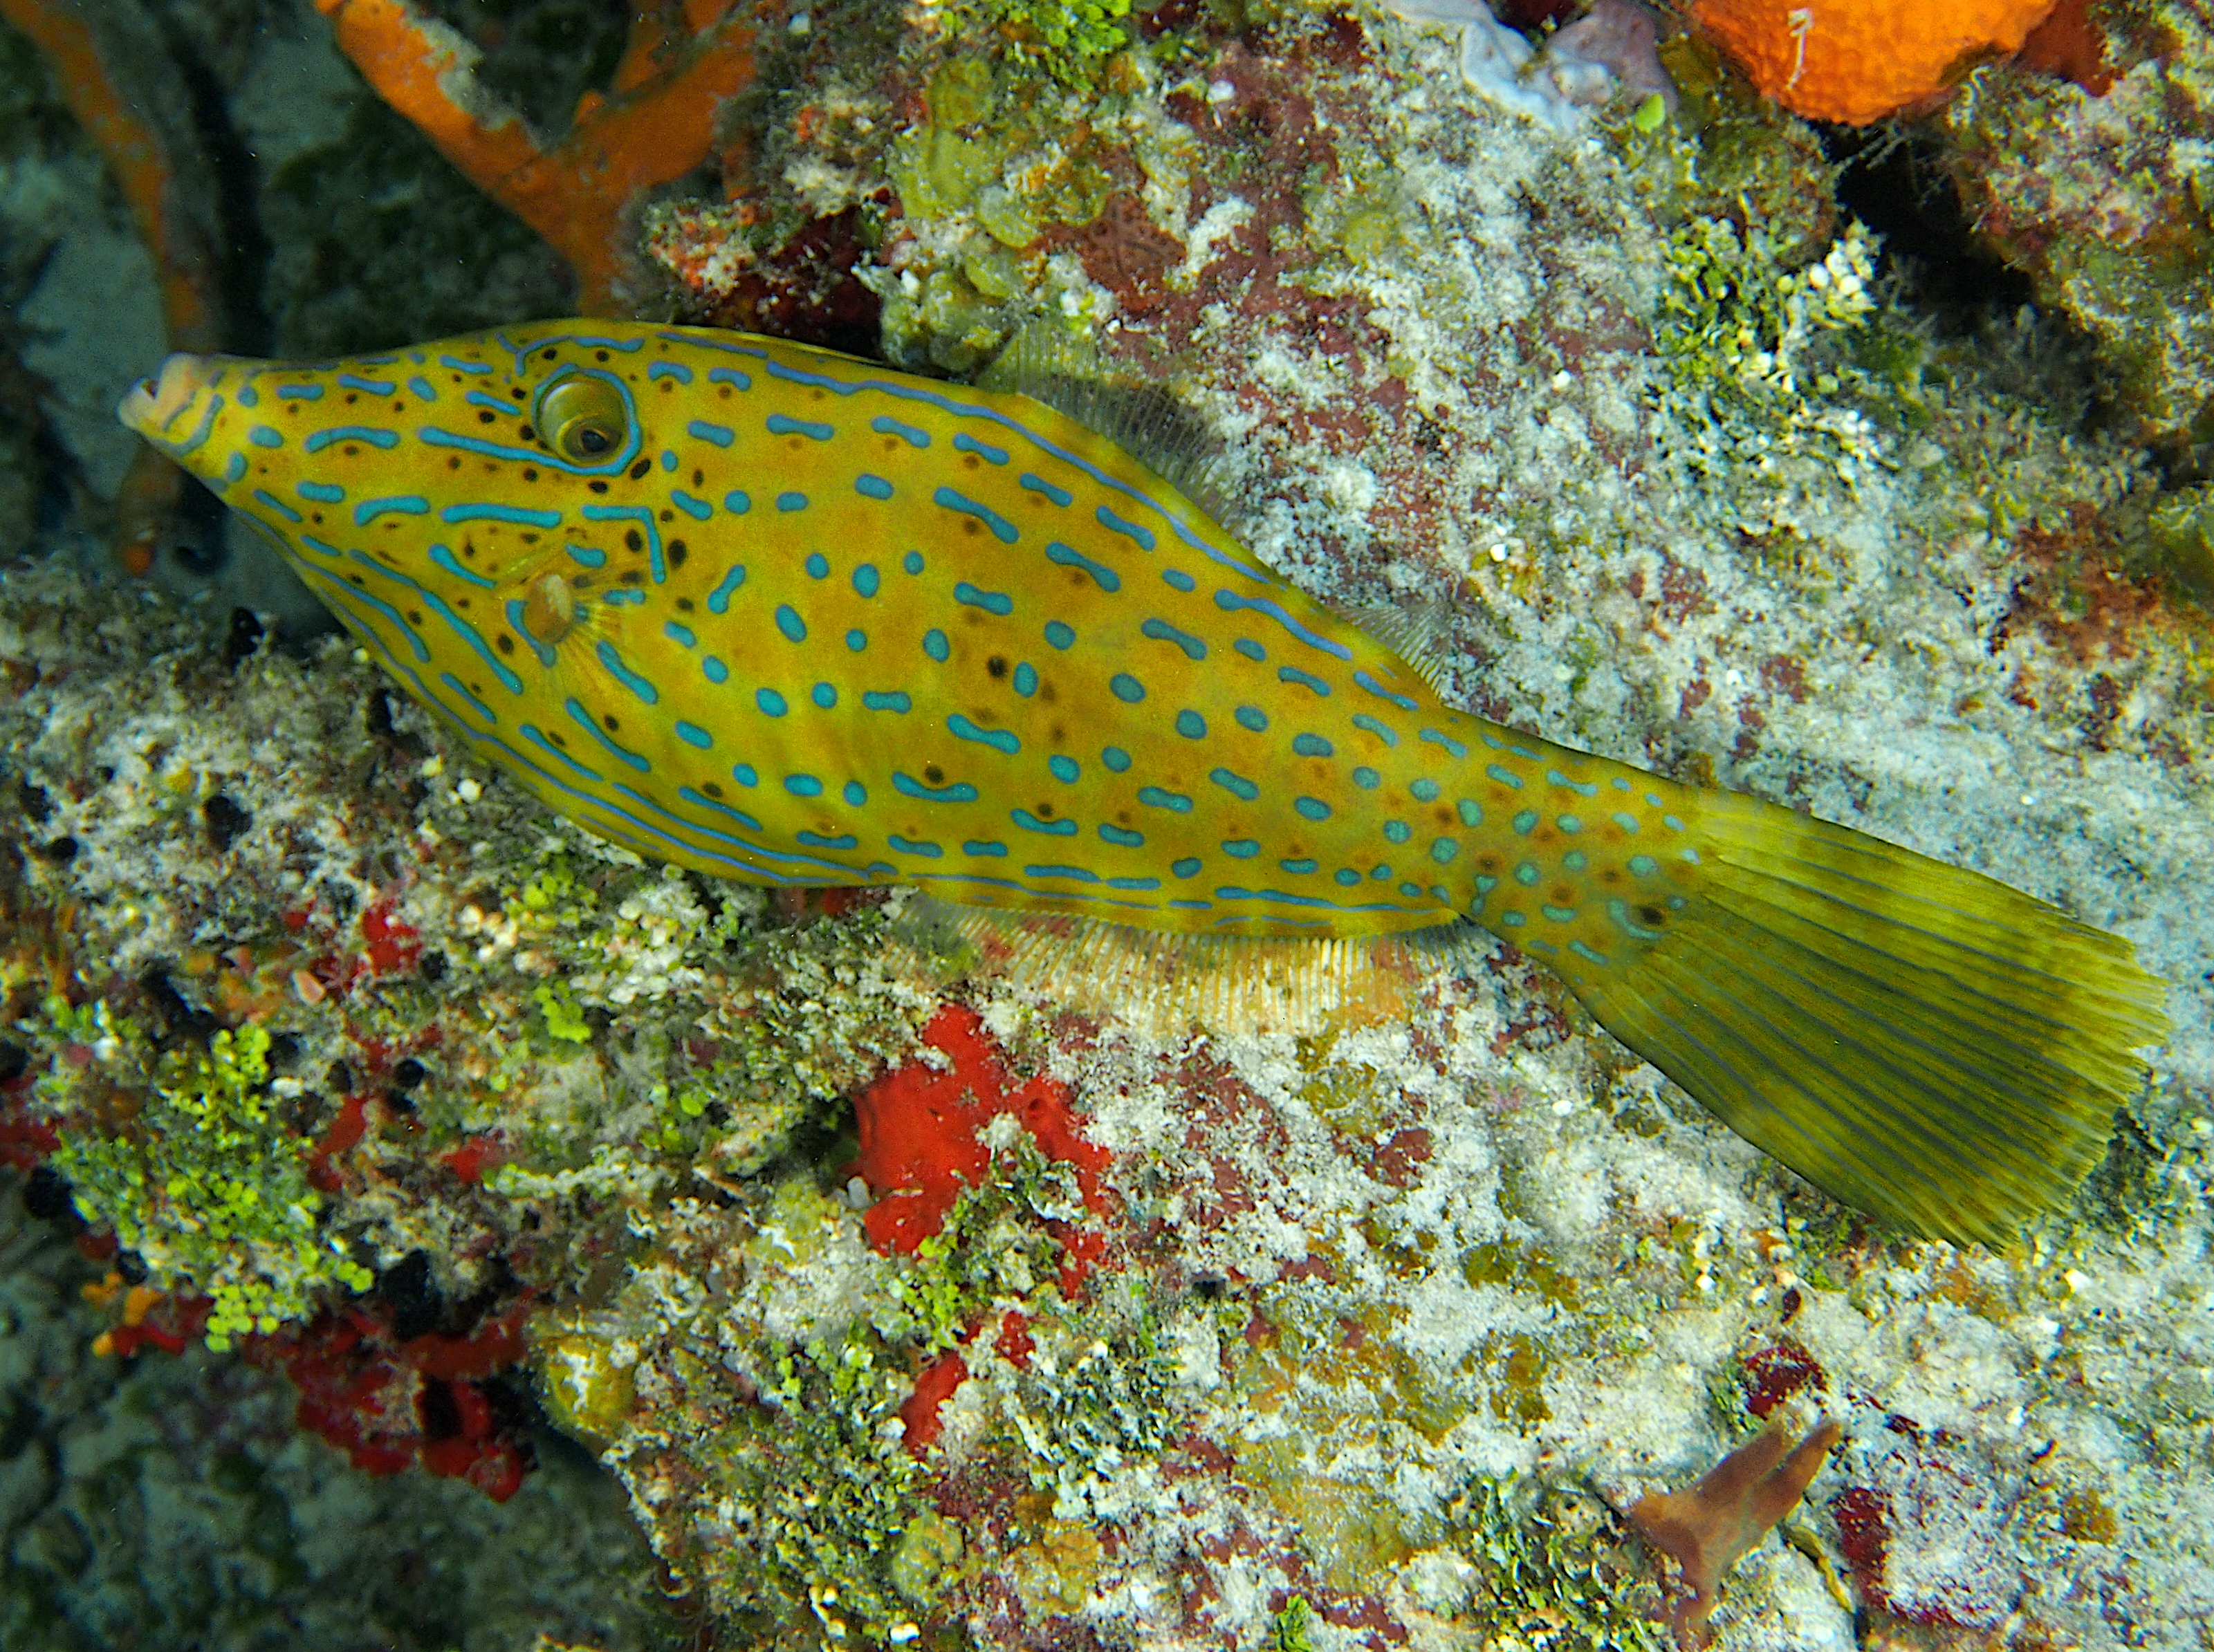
(1929, 1045)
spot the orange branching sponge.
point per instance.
(655, 123)
(1856, 61)
(162, 178)
(1709, 1528)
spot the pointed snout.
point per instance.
(151, 406)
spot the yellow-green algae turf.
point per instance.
(192, 1162)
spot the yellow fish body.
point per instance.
(792, 618)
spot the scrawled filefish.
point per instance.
(793, 617)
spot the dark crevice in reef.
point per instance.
(1895, 183)
(1893, 179)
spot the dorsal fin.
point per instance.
(1164, 984)
(1065, 370)
(1416, 631)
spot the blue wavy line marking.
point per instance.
(1137, 533)
(372, 435)
(785, 424)
(1365, 682)
(322, 493)
(1002, 530)
(1293, 674)
(476, 704)
(971, 409)
(375, 386)
(677, 370)
(446, 559)
(738, 815)
(301, 392)
(700, 430)
(459, 626)
(1030, 822)
(1060, 496)
(594, 804)
(1230, 603)
(262, 496)
(998, 602)
(907, 786)
(1104, 577)
(644, 517)
(883, 425)
(999, 739)
(519, 515)
(698, 510)
(355, 593)
(462, 366)
(397, 504)
(623, 673)
(531, 733)
(198, 437)
(584, 340)
(1161, 631)
(583, 720)
(1362, 721)
(964, 442)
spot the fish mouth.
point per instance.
(157, 407)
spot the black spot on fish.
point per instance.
(684, 604)
(677, 553)
(454, 463)
(997, 666)
(971, 462)
(933, 774)
(414, 616)
(551, 354)
(527, 433)
(699, 478)
(972, 527)
(633, 542)
(352, 398)
(517, 393)
(598, 487)
(1044, 811)
(668, 384)
(530, 472)
(504, 642)
(486, 416)
(351, 451)
(711, 788)
(599, 355)
(631, 576)
(668, 516)
(613, 727)
(724, 392)
(1651, 916)
(468, 547)
(640, 468)
(554, 735)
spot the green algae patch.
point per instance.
(189, 1157)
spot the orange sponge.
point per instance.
(1856, 61)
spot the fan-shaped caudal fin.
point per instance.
(1926, 1044)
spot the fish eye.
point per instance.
(583, 417)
